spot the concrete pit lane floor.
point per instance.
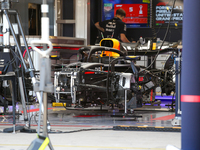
(94, 129)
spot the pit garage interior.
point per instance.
(64, 86)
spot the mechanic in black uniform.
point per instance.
(114, 28)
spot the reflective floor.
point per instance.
(94, 116)
(83, 120)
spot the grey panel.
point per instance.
(68, 30)
(22, 8)
(68, 9)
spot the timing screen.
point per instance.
(135, 13)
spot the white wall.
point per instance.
(82, 19)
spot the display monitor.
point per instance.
(137, 12)
(163, 8)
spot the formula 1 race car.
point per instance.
(106, 75)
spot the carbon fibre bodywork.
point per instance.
(100, 79)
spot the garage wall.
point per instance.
(173, 35)
(22, 8)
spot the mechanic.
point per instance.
(114, 28)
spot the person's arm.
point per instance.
(124, 38)
(98, 27)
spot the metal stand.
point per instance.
(125, 102)
(45, 85)
(23, 98)
(7, 12)
(11, 77)
(126, 115)
(177, 120)
(7, 30)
